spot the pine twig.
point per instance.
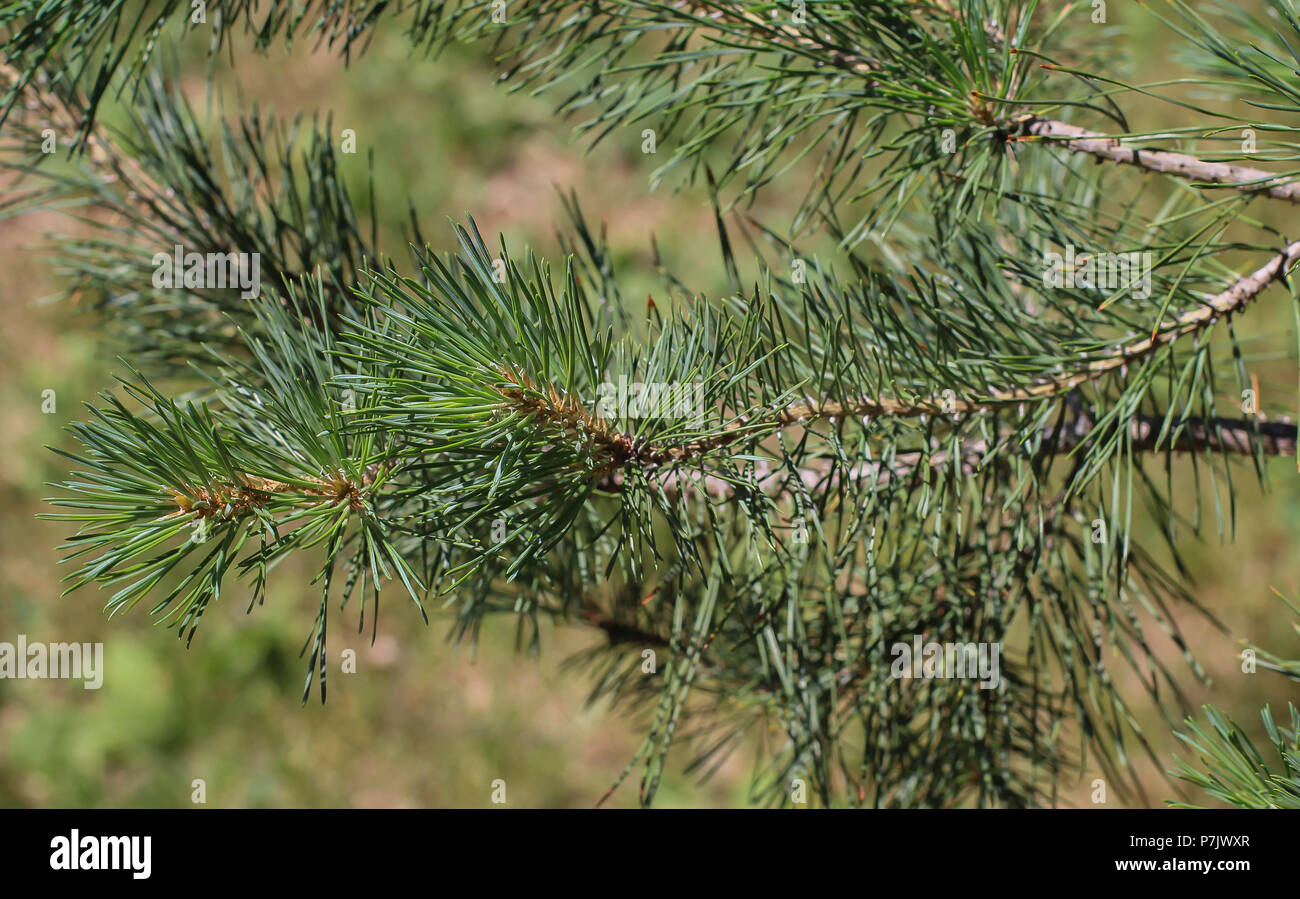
(1165, 162)
(1232, 300)
(230, 501)
(1223, 435)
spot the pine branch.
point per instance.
(56, 111)
(1236, 772)
(1165, 162)
(1226, 303)
(100, 41)
(159, 182)
(248, 494)
(1146, 434)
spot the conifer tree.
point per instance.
(871, 501)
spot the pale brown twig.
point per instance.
(1165, 162)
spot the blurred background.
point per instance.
(423, 722)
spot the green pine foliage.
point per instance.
(1236, 772)
(910, 433)
(1232, 769)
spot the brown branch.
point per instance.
(1165, 162)
(1224, 435)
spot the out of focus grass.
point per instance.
(425, 723)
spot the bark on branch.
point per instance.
(1222, 435)
(1180, 165)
